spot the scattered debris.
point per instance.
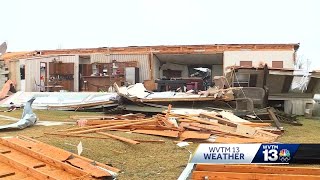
(222, 127)
(217, 171)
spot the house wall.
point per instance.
(32, 70)
(142, 59)
(233, 58)
(14, 73)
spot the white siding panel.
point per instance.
(143, 63)
(99, 58)
(32, 75)
(14, 73)
(232, 58)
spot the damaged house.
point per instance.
(160, 68)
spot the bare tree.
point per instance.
(302, 62)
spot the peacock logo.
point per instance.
(284, 155)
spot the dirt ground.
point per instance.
(142, 161)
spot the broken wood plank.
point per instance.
(158, 133)
(220, 120)
(43, 145)
(119, 138)
(150, 140)
(42, 157)
(112, 127)
(193, 135)
(274, 118)
(97, 122)
(27, 169)
(91, 127)
(88, 167)
(233, 118)
(252, 124)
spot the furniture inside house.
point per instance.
(101, 76)
(61, 76)
(255, 94)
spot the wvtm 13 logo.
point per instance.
(271, 153)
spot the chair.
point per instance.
(256, 94)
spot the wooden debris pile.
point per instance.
(216, 171)
(223, 127)
(25, 158)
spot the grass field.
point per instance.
(145, 160)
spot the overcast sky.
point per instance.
(53, 24)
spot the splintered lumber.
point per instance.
(199, 120)
(158, 133)
(274, 118)
(233, 118)
(112, 127)
(151, 127)
(119, 138)
(213, 171)
(76, 135)
(97, 122)
(91, 127)
(257, 124)
(193, 135)
(150, 140)
(187, 126)
(220, 120)
(99, 137)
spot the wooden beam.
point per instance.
(26, 169)
(41, 157)
(112, 127)
(193, 135)
(274, 118)
(158, 133)
(119, 138)
(220, 120)
(92, 127)
(75, 155)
